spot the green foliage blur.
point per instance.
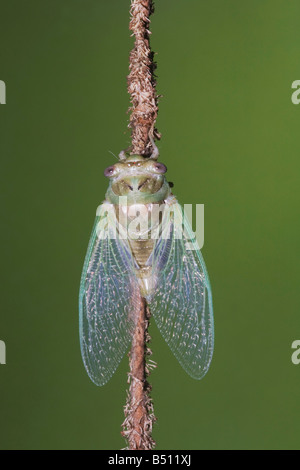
(230, 140)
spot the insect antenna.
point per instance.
(113, 154)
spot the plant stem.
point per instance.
(141, 80)
(139, 415)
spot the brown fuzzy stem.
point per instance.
(139, 416)
(141, 81)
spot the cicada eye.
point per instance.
(160, 168)
(109, 171)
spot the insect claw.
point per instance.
(122, 155)
(155, 151)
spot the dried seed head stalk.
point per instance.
(141, 81)
(139, 415)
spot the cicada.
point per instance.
(142, 245)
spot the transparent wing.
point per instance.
(108, 297)
(182, 301)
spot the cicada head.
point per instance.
(140, 179)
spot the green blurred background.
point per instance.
(230, 139)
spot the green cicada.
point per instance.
(143, 245)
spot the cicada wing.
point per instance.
(109, 295)
(182, 301)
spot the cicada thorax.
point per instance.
(143, 184)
